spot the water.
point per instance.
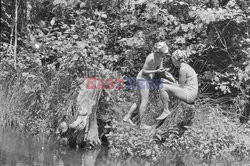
(18, 149)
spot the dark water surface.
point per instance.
(18, 149)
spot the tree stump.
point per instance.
(85, 126)
(84, 130)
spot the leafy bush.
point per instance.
(125, 140)
(211, 136)
(214, 135)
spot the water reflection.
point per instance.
(22, 150)
(18, 149)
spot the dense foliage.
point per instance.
(214, 134)
(61, 42)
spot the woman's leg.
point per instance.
(176, 91)
(165, 99)
(173, 90)
(127, 117)
(144, 95)
(143, 100)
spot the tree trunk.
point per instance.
(15, 45)
(85, 126)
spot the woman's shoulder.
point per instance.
(187, 67)
(150, 57)
(184, 66)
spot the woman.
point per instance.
(152, 62)
(187, 87)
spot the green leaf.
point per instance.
(104, 15)
(81, 44)
(139, 2)
(75, 57)
(75, 36)
(56, 2)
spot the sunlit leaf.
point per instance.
(56, 2)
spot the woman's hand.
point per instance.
(160, 70)
(165, 81)
(169, 76)
(151, 76)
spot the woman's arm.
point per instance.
(147, 65)
(169, 76)
(152, 71)
(169, 82)
(182, 77)
(161, 64)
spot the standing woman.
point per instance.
(185, 89)
(153, 64)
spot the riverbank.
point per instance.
(215, 134)
(19, 149)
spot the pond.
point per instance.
(19, 149)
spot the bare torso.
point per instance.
(151, 63)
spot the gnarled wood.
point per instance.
(85, 126)
(84, 130)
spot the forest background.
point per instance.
(48, 48)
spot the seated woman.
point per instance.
(187, 87)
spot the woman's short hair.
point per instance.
(161, 47)
(180, 55)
